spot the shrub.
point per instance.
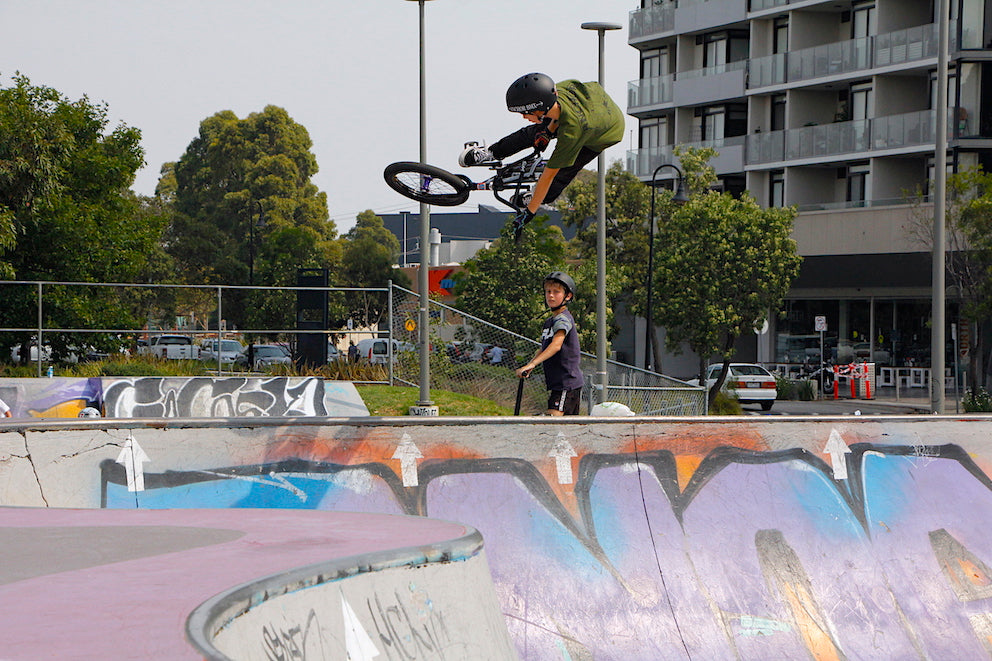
(977, 402)
(724, 404)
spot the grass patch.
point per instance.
(397, 400)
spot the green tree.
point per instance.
(67, 213)
(502, 284)
(247, 210)
(627, 204)
(722, 264)
(369, 253)
(968, 232)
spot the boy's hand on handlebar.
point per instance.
(523, 217)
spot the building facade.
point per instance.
(829, 106)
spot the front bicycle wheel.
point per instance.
(426, 183)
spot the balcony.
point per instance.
(845, 57)
(701, 86)
(700, 15)
(651, 22)
(729, 159)
(909, 131)
(649, 94)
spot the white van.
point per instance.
(376, 350)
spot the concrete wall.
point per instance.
(430, 601)
(181, 397)
(632, 539)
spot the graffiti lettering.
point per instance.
(294, 643)
(403, 637)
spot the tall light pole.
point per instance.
(424, 406)
(602, 379)
(939, 204)
(680, 197)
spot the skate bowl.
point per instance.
(606, 538)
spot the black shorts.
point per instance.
(566, 401)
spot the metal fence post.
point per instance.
(40, 323)
(389, 299)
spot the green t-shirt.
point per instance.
(589, 118)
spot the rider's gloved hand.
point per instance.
(523, 217)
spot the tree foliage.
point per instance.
(968, 233)
(502, 284)
(67, 214)
(722, 264)
(247, 210)
(369, 252)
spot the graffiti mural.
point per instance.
(181, 397)
(689, 540)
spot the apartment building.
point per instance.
(828, 105)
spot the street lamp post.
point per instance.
(601, 374)
(424, 406)
(937, 333)
(680, 197)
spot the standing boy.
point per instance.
(559, 350)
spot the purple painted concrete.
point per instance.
(119, 584)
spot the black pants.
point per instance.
(537, 136)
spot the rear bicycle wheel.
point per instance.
(426, 183)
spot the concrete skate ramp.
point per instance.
(755, 538)
(116, 584)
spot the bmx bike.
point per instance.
(434, 185)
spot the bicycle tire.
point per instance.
(426, 183)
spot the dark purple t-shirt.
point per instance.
(562, 371)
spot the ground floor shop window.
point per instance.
(888, 332)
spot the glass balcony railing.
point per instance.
(642, 162)
(843, 57)
(649, 92)
(758, 5)
(656, 19)
(711, 71)
(915, 129)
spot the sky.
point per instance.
(348, 71)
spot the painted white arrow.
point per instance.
(408, 453)
(563, 453)
(837, 448)
(132, 457)
(357, 643)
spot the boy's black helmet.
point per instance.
(534, 91)
(565, 279)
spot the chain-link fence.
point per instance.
(473, 356)
(468, 355)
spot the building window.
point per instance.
(863, 21)
(653, 132)
(776, 188)
(862, 102)
(654, 63)
(858, 184)
(778, 112)
(714, 122)
(780, 36)
(719, 48)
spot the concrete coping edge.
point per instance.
(214, 614)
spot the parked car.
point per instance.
(749, 383)
(266, 355)
(172, 347)
(229, 350)
(376, 350)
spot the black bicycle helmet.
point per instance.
(534, 91)
(565, 280)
